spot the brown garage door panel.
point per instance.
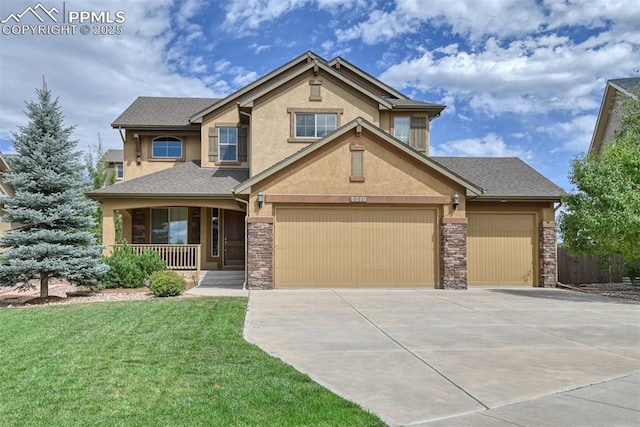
(354, 247)
(501, 249)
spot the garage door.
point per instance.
(501, 249)
(355, 247)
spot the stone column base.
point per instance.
(453, 253)
(259, 255)
(547, 255)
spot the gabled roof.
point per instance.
(197, 116)
(629, 86)
(113, 156)
(245, 187)
(384, 102)
(161, 112)
(626, 86)
(503, 178)
(341, 62)
(187, 180)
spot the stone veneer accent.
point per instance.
(260, 255)
(547, 254)
(453, 253)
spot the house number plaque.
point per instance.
(358, 199)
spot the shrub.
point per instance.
(128, 269)
(632, 270)
(167, 283)
(151, 262)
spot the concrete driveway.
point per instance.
(499, 356)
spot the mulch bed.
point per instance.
(614, 290)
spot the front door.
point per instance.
(233, 238)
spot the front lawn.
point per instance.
(161, 362)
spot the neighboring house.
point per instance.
(114, 159)
(5, 190)
(611, 109)
(319, 175)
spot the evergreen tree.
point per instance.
(53, 240)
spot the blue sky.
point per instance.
(520, 78)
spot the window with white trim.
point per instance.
(315, 125)
(401, 128)
(119, 172)
(166, 147)
(228, 144)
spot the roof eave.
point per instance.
(153, 127)
(516, 198)
(100, 196)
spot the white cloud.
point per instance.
(576, 133)
(97, 77)
(490, 145)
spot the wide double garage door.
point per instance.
(355, 247)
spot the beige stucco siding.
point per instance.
(271, 123)
(387, 173)
(191, 151)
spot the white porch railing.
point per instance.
(177, 257)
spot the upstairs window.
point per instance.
(315, 125)
(412, 131)
(228, 144)
(119, 172)
(166, 147)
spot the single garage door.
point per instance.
(501, 249)
(355, 247)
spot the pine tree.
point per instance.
(53, 240)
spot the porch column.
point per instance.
(108, 228)
(126, 225)
(547, 255)
(260, 253)
(453, 253)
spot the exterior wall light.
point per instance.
(455, 201)
(260, 200)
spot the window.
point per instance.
(119, 172)
(401, 128)
(215, 224)
(169, 226)
(228, 144)
(412, 131)
(315, 125)
(166, 147)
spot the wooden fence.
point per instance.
(587, 269)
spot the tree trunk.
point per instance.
(44, 285)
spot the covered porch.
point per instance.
(186, 213)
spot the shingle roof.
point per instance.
(113, 156)
(185, 180)
(630, 85)
(502, 176)
(161, 111)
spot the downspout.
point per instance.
(246, 237)
(121, 135)
(246, 202)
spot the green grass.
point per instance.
(161, 362)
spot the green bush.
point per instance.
(151, 262)
(632, 270)
(167, 283)
(128, 269)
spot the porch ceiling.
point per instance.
(186, 180)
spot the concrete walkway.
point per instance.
(482, 357)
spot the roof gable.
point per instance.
(197, 116)
(338, 63)
(627, 87)
(357, 125)
(315, 65)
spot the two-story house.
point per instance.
(319, 175)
